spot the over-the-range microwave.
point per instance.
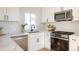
(63, 15)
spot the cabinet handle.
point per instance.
(74, 39)
(47, 19)
(4, 17)
(78, 48)
(37, 39)
(7, 17)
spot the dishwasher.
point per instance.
(22, 41)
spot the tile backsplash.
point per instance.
(10, 27)
(72, 26)
(14, 27)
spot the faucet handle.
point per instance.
(32, 27)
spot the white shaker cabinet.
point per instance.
(13, 14)
(2, 12)
(35, 41)
(41, 41)
(48, 13)
(74, 43)
(47, 40)
(75, 12)
(9, 14)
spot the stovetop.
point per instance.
(63, 32)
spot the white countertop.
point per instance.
(7, 44)
(22, 34)
(76, 34)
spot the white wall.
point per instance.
(10, 27)
(37, 10)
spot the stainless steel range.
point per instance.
(60, 40)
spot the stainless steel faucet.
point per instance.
(32, 27)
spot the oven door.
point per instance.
(59, 45)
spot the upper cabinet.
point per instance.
(9, 14)
(1, 14)
(75, 12)
(13, 14)
(48, 13)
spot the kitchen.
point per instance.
(36, 37)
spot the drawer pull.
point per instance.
(78, 48)
(38, 40)
(74, 39)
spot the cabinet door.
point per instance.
(48, 13)
(13, 13)
(75, 12)
(47, 40)
(44, 15)
(41, 40)
(73, 43)
(51, 11)
(2, 13)
(9, 13)
(33, 42)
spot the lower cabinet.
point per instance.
(74, 43)
(47, 41)
(35, 41)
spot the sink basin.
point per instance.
(33, 31)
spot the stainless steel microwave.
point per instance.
(63, 15)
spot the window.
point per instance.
(30, 19)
